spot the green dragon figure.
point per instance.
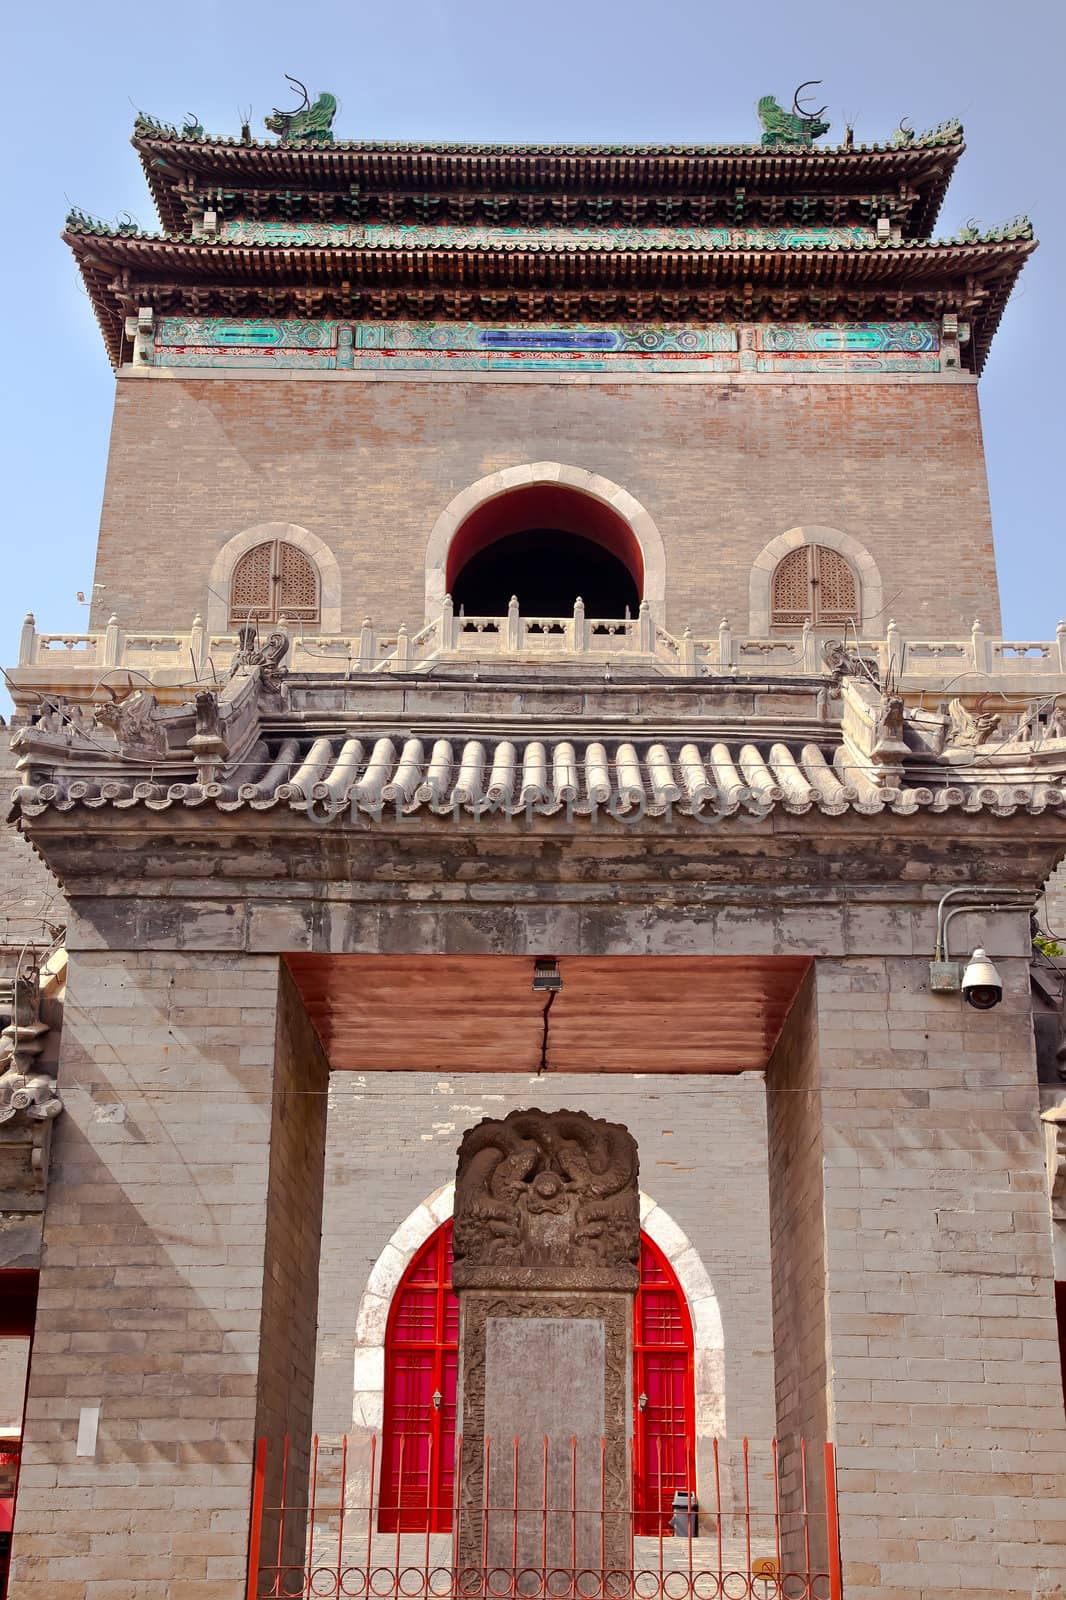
(312, 124)
(796, 127)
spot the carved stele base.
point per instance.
(547, 1249)
(545, 1380)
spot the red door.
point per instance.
(663, 1392)
(421, 1360)
(422, 1352)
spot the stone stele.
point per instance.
(547, 1248)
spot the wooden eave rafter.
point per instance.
(924, 170)
(122, 271)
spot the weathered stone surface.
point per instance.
(547, 1200)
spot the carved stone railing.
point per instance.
(175, 662)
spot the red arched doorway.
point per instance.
(547, 544)
(421, 1362)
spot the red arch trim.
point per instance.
(545, 505)
(421, 1360)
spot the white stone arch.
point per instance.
(611, 494)
(707, 1333)
(329, 573)
(766, 562)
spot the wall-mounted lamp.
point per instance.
(546, 976)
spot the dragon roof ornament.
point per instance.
(307, 124)
(947, 132)
(1019, 227)
(782, 129)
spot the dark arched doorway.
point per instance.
(546, 544)
(421, 1365)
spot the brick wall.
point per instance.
(722, 470)
(942, 1354)
(392, 1142)
(28, 891)
(152, 1299)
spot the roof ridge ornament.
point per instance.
(308, 124)
(1019, 227)
(798, 127)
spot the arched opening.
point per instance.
(421, 1369)
(547, 544)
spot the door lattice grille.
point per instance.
(271, 581)
(814, 584)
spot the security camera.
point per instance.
(982, 985)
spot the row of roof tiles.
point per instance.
(945, 134)
(407, 774)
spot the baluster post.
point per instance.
(893, 649)
(725, 643)
(979, 652)
(514, 625)
(28, 640)
(578, 640)
(403, 649)
(198, 644)
(447, 624)
(688, 652)
(1060, 639)
(809, 648)
(112, 642)
(367, 646)
(645, 630)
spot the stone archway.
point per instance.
(426, 1218)
(329, 572)
(760, 584)
(549, 474)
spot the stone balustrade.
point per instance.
(177, 660)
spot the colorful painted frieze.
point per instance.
(325, 345)
(413, 236)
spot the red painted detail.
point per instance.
(422, 1354)
(545, 505)
(18, 1303)
(664, 1426)
(421, 1359)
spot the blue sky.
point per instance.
(582, 70)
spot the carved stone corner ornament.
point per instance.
(268, 657)
(547, 1200)
(27, 1094)
(970, 730)
(209, 748)
(131, 723)
(841, 662)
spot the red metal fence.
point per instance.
(764, 1527)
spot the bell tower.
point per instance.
(550, 699)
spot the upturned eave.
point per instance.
(124, 269)
(171, 162)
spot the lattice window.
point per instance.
(814, 584)
(271, 581)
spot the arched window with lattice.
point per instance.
(272, 581)
(814, 584)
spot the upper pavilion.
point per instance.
(783, 231)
